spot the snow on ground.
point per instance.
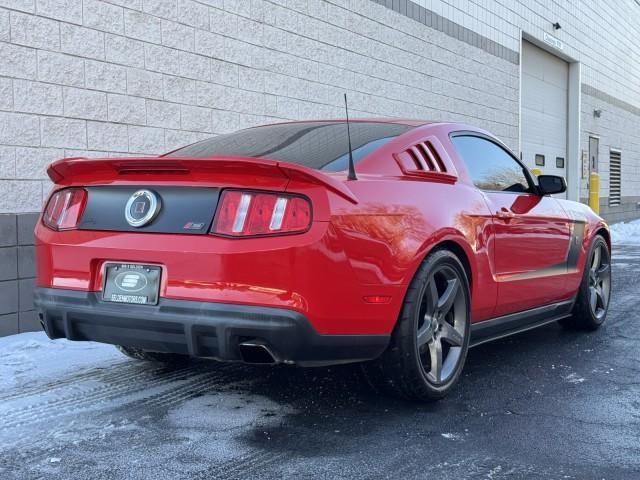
(31, 357)
(626, 233)
(56, 393)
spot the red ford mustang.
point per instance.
(264, 246)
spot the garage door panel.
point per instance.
(532, 93)
(543, 128)
(535, 63)
(534, 129)
(544, 108)
(542, 97)
(556, 73)
(555, 103)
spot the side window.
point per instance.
(491, 168)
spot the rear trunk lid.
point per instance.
(237, 171)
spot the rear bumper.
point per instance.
(199, 329)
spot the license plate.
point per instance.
(127, 283)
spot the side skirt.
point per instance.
(513, 323)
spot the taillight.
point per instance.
(243, 214)
(65, 208)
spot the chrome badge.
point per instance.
(130, 281)
(142, 207)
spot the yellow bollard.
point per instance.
(536, 171)
(594, 192)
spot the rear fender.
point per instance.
(438, 239)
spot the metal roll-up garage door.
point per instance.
(545, 79)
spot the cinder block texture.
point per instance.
(8, 297)
(17, 272)
(8, 230)
(8, 263)
(142, 77)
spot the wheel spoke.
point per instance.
(604, 269)
(593, 298)
(424, 333)
(595, 263)
(435, 351)
(433, 294)
(451, 335)
(601, 297)
(445, 302)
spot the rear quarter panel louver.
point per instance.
(427, 159)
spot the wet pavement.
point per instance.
(544, 404)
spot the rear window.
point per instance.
(318, 145)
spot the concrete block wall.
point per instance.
(141, 77)
(17, 272)
(617, 128)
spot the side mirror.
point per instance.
(550, 184)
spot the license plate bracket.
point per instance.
(131, 283)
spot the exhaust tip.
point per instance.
(257, 352)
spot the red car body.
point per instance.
(346, 276)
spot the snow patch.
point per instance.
(574, 378)
(626, 233)
(32, 357)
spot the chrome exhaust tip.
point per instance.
(257, 352)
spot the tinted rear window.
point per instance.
(319, 145)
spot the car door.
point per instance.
(531, 233)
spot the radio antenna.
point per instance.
(352, 167)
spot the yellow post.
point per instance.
(536, 171)
(594, 192)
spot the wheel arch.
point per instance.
(604, 232)
(454, 243)
(459, 252)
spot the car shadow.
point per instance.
(327, 405)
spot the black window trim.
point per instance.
(534, 191)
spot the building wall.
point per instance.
(17, 274)
(141, 77)
(88, 77)
(618, 127)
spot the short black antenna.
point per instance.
(352, 167)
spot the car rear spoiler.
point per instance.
(65, 170)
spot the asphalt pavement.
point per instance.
(545, 404)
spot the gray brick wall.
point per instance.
(617, 128)
(17, 272)
(113, 78)
(108, 78)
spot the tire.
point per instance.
(595, 289)
(406, 369)
(139, 354)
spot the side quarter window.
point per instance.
(490, 166)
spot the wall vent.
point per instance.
(615, 178)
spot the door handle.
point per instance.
(505, 214)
